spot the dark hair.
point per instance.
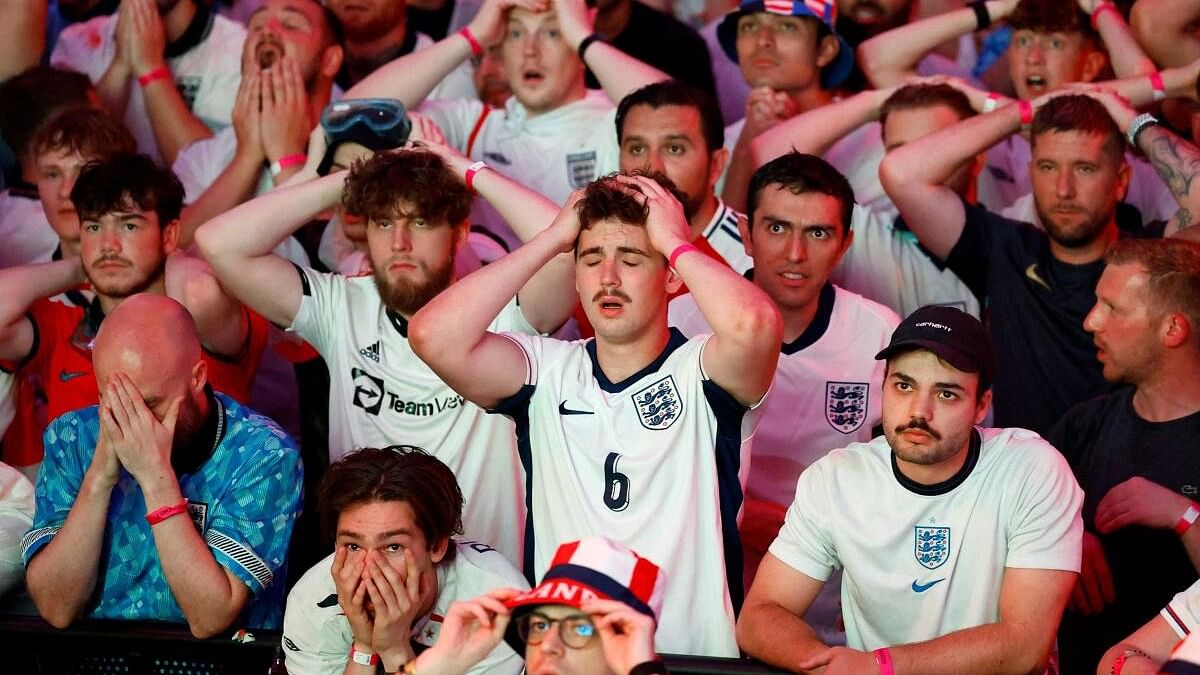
(397, 473)
(333, 26)
(127, 182)
(800, 174)
(377, 186)
(34, 96)
(91, 132)
(1172, 269)
(1052, 16)
(923, 96)
(675, 92)
(984, 382)
(604, 199)
(1076, 112)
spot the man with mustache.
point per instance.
(958, 544)
(169, 68)
(1037, 284)
(1134, 451)
(289, 59)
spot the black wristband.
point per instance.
(649, 668)
(587, 42)
(982, 18)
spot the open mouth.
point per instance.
(1036, 83)
(268, 54)
(533, 77)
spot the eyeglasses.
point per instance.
(574, 631)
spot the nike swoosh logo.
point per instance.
(921, 588)
(564, 410)
(1032, 274)
(67, 375)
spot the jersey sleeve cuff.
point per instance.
(806, 566)
(1175, 620)
(36, 539)
(239, 559)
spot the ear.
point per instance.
(199, 376)
(720, 160)
(462, 232)
(1093, 63)
(331, 61)
(1176, 330)
(846, 243)
(827, 51)
(674, 281)
(170, 237)
(981, 409)
(1123, 176)
(438, 551)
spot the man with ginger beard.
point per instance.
(137, 510)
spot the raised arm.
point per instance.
(450, 333)
(1124, 52)
(771, 627)
(815, 131)
(1167, 29)
(742, 353)
(220, 319)
(617, 72)
(23, 29)
(892, 56)
(913, 173)
(410, 78)
(20, 287)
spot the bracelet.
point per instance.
(982, 18)
(883, 659)
(469, 179)
(993, 99)
(1100, 9)
(654, 667)
(679, 250)
(1156, 83)
(476, 48)
(159, 73)
(158, 515)
(1138, 125)
(1187, 519)
(363, 658)
(587, 42)
(1026, 109)
(282, 163)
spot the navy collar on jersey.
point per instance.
(948, 484)
(398, 322)
(818, 325)
(195, 33)
(675, 341)
(192, 454)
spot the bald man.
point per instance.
(168, 501)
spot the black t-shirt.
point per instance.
(1045, 360)
(432, 22)
(1106, 443)
(667, 44)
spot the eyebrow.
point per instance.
(937, 385)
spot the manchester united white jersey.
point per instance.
(652, 462)
(381, 393)
(317, 636)
(922, 561)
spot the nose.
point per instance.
(610, 277)
(1091, 322)
(1064, 184)
(797, 248)
(764, 36)
(530, 44)
(551, 642)
(1034, 54)
(655, 162)
(66, 185)
(109, 241)
(401, 238)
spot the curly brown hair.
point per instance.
(1052, 16)
(604, 199)
(409, 183)
(90, 132)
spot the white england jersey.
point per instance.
(553, 153)
(1182, 614)
(317, 636)
(723, 236)
(207, 75)
(888, 265)
(382, 394)
(922, 561)
(25, 234)
(651, 462)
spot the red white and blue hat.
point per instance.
(825, 11)
(595, 568)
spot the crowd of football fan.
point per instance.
(481, 336)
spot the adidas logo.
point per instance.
(371, 351)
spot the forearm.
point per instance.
(1177, 83)
(741, 168)
(991, 648)
(815, 131)
(892, 56)
(1162, 27)
(777, 637)
(24, 35)
(220, 319)
(734, 308)
(933, 158)
(113, 88)
(1178, 164)
(198, 583)
(174, 125)
(62, 577)
(411, 78)
(235, 185)
(23, 285)
(1124, 52)
(619, 73)
(525, 210)
(1135, 663)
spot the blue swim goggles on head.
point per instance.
(374, 123)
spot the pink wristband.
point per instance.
(1156, 83)
(1100, 9)
(282, 163)
(1187, 519)
(476, 48)
(679, 250)
(883, 659)
(159, 73)
(1026, 109)
(158, 515)
(469, 179)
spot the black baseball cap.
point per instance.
(952, 334)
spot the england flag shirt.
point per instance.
(921, 561)
(652, 461)
(382, 394)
